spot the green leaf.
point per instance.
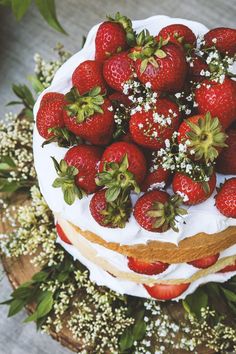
(16, 306)
(19, 8)
(48, 11)
(31, 318)
(5, 2)
(139, 330)
(40, 277)
(230, 295)
(112, 193)
(126, 340)
(21, 292)
(194, 302)
(45, 306)
(36, 84)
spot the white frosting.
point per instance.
(201, 218)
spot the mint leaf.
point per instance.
(45, 306)
(48, 11)
(19, 8)
(15, 307)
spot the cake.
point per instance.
(123, 248)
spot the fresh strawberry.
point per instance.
(52, 96)
(219, 99)
(77, 172)
(226, 198)
(226, 162)
(229, 268)
(194, 191)
(163, 66)
(120, 98)
(205, 136)
(166, 291)
(157, 179)
(178, 34)
(116, 152)
(87, 76)
(196, 65)
(146, 268)
(50, 114)
(151, 128)
(156, 211)
(89, 116)
(110, 214)
(205, 262)
(117, 70)
(224, 39)
(62, 234)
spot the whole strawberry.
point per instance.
(117, 70)
(50, 114)
(89, 116)
(156, 211)
(226, 198)
(113, 36)
(135, 161)
(77, 172)
(178, 34)
(193, 192)
(141, 267)
(166, 291)
(87, 76)
(161, 64)
(219, 99)
(226, 162)
(151, 128)
(205, 262)
(205, 136)
(223, 38)
(110, 214)
(157, 179)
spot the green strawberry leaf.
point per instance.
(48, 11)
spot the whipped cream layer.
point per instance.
(174, 271)
(200, 218)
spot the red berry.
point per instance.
(146, 268)
(115, 153)
(226, 198)
(97, 129)
(120, 97)
(219, 99)
(226, 162)
(205, 262)
(166, 291)
(155, 179)
(224, 39)
(85, 158)
(62, 234)
(50, 115)
(178, 34)
(193, 190)
(150, 129)
(117, 70)
(52, 96)
(170, 72)
(196, 65)
(87, 76)
(110, 39)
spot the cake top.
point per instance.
(138, 123)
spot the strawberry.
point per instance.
(89, 116)
(219, 99)
(156, 179)
(52, 96)
(205, 262)
(120, 98)
(229, 268)
(151, 128)
(161, 64)
(117, 70)
(77, 172)
(50, 114)
(226, 198)
(156, 211)
(87, 76)
(166, 291)
(110, 214)
(196, 66)
(226, 162)
(113, 36)
(178, 34)
(62, 234)
(205, 136)
(224, 39)
(116, 152)
(146, 268)
(194, 191)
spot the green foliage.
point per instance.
(26, 99)
(46, 8)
